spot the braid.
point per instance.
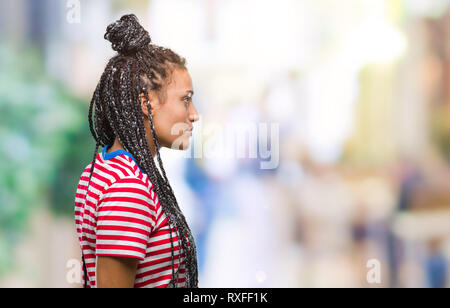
(139, 67)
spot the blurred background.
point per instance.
(350, 99)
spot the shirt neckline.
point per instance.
(113, 154)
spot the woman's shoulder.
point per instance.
(118, 164)
(135, 183)
(117, 172)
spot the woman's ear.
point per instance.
(143, 101)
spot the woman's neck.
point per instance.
(118, 146)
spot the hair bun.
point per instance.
(127, 35)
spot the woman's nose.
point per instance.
(193, 115)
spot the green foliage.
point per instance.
(45, 143)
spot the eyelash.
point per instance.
(186, 102)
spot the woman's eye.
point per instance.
(187, 99)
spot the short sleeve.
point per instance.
(125, 219)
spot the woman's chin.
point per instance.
(182, 143)
(185, 145)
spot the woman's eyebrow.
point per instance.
(190, 91)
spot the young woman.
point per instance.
(131, 230)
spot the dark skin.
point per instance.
(116, 272)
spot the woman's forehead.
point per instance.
(181, 82)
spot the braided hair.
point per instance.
(114, 112)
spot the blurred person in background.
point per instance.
(436, 264)
(126, 212)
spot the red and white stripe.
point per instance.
(120, 215)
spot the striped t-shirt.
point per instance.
(121, 216)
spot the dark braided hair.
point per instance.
(114, 112)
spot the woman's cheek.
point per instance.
(171, 127)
